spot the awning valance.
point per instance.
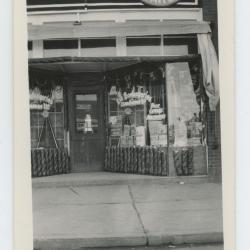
(41, 32)
(116, 59)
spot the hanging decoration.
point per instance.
(38, 101)
(156, 113)
(133, 98)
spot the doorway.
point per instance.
(86, 127)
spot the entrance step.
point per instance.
(107, 178)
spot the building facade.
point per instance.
(124, 86)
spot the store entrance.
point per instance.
(86, 127)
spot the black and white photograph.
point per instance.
(124, 124)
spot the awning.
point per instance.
(135, 59)
(99, 64)
(112, 29)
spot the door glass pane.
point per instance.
(184, 111)
(86, 113)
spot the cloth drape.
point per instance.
(210, 67)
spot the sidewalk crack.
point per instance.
(74, 191)
(137, 213)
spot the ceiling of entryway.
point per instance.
(81, 67)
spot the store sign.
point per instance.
(160, 3)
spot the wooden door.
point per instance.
(86, 127)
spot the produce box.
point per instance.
(140, 141)
(163, 129)
(159, 140)
(130, 140)
(127, 140)
(133, 130)
(115, 132)
(126, 130)
(123, 141)
(163, 139)
(154, 140)
(154, 126)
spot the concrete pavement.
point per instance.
(186, 247)
(108, 178)
(73, 217)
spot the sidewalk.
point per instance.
(129, 214)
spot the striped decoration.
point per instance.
(183, 161)
(146, 160)
(50, 161)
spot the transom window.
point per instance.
(157, 45)
(56, 48)
(98, 47)
(143, 46)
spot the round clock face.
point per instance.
(160, 3)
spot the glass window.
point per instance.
(144, 46)
(55, 48)
(179, 46)
(184, 110)
(98, 47)
(86, 113)
(30, 45)
(42, 134)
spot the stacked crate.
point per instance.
(158, 133)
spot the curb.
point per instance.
(181, 239)
(48, 182)
(128, 241)
(95, 242)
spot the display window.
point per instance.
(184, 105)
(46, 114)
(157, 105)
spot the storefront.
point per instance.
(130, 96)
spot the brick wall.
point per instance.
(210, 14)
(214, 145)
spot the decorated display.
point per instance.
(145, 160)
(135, 102)
(157, 128)
(153, 113)
(38, 101)
(127, 115)
(134, 98)
(48, 155)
